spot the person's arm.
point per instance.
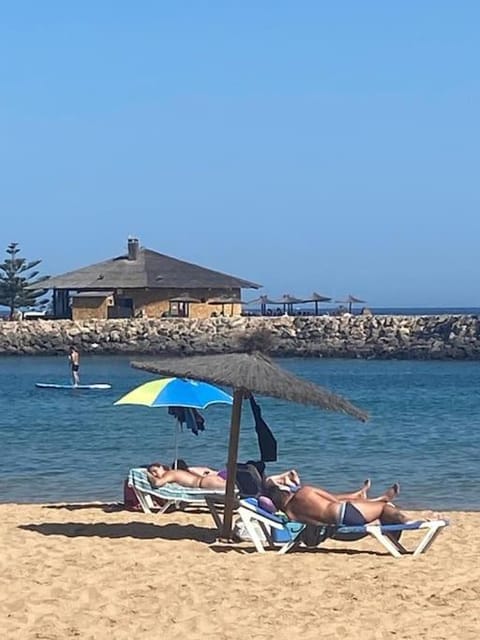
(201, 471)
(287, 479)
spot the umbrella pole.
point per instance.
(232, 463)
(177, 429)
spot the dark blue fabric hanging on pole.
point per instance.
(191, 417)
(266, 439)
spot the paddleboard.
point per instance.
(47, 385)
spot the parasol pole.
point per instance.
(177, 429)
(232, 463)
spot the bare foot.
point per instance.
(393, 492)
(433, 515)
(366, 486)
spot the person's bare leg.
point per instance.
(392, 515)
(361, 494)
(372, 510)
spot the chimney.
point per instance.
(132, 248)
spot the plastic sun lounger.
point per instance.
(173, 494)
(284, 535)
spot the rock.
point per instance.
(367, 336)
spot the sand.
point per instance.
(87, 571)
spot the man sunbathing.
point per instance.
(160, 474)
(312, 505)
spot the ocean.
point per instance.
(323, 308)
(72, 445)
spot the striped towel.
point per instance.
(172, 491)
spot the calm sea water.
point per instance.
(76, 446)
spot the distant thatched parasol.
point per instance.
(223, 300)
(316, 298)
(185, 300)
(351, 300)
(245, 373)
(263, 301)
(288, 301)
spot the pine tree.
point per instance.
(17, 276)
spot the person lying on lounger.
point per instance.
(160, 474)
(311, 505)
(291, 480)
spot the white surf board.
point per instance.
(47, 385)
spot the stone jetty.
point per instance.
(347, 336)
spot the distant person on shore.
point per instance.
(74, 358)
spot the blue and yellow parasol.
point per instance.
(178, 392)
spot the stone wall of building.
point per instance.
(90, 308)
(406, 337)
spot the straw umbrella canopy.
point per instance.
(316, 298)
(288, 301)
(186, 300)
(263, 301)
(351, 300)
(223, 300)
(248, 373)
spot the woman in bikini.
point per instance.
(159, 475)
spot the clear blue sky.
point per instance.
(329, 146)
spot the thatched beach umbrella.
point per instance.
(185, 300)
(246, 373)
(316, 298)
(263, 301)
(288, 301)
(223, 300)
(351, 300)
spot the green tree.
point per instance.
(17, 277)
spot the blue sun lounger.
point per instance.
(275, 531)
(171, 493)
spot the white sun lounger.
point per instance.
(282, 534)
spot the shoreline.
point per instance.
(115, 505)
(81, 572)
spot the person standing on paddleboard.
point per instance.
(74, 358)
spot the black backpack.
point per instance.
(248, 480)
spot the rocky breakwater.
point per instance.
(406, 337)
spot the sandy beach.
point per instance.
(90, 571)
